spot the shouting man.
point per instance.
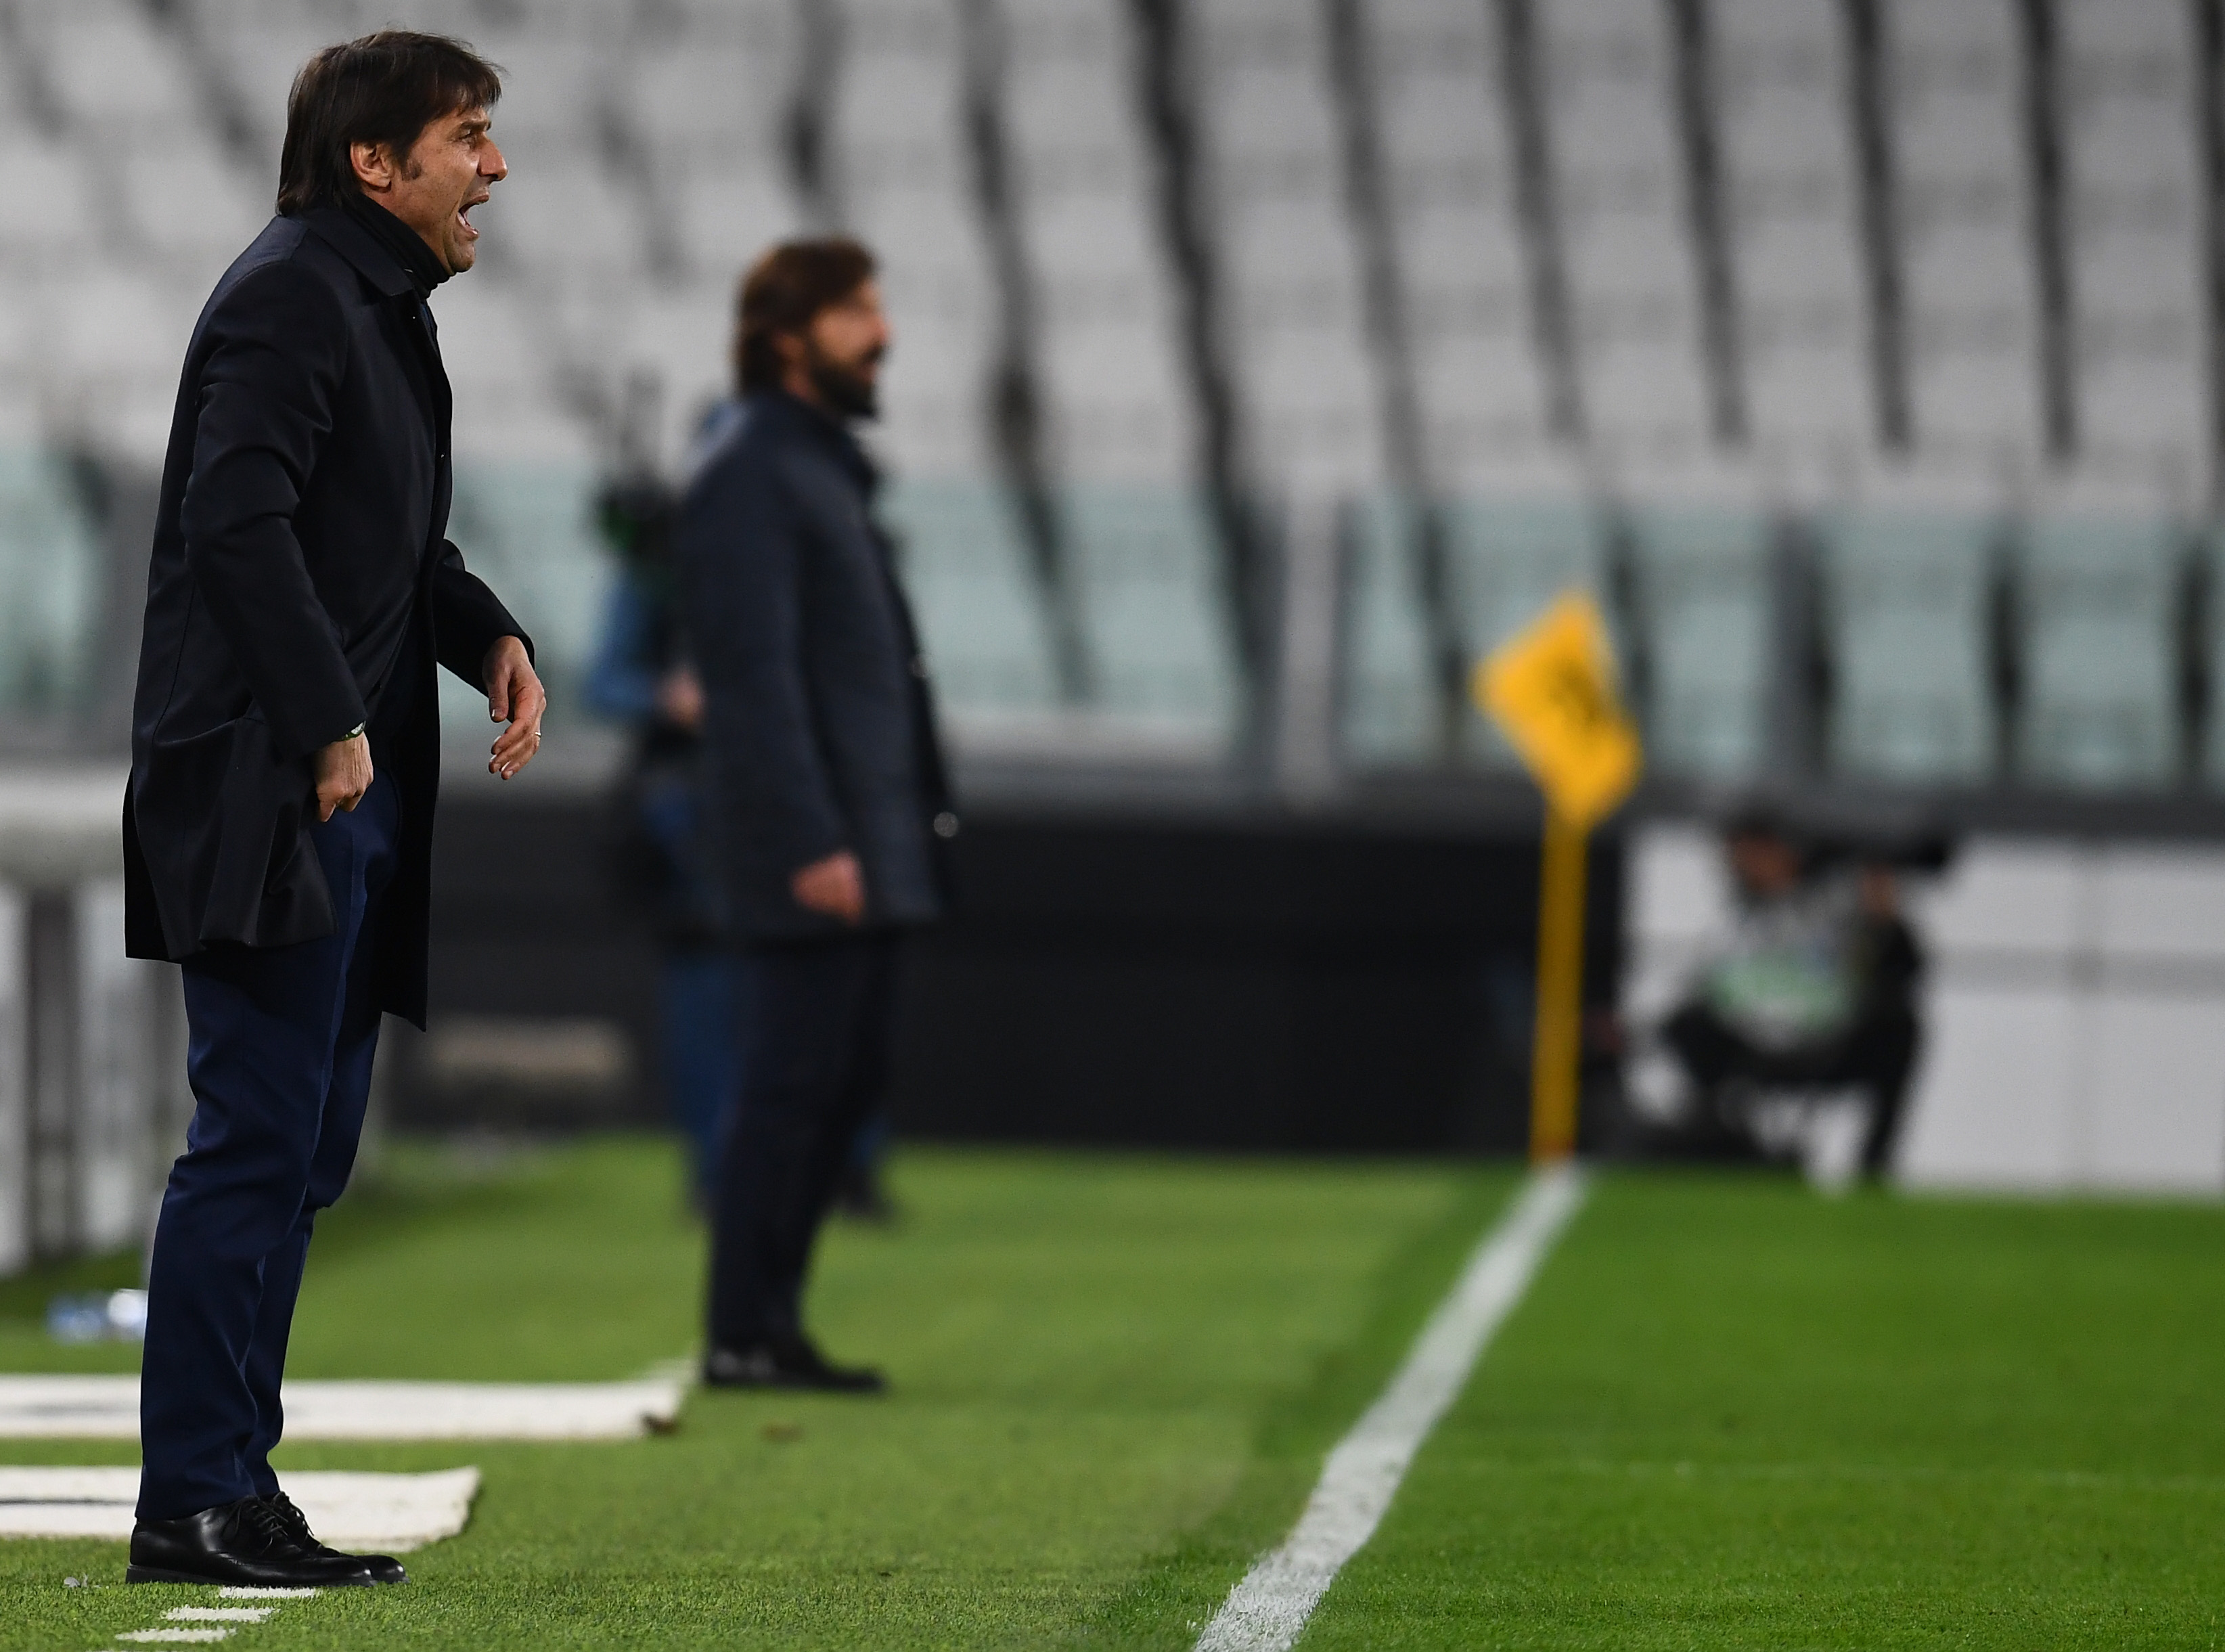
(829, 782)
(278, 829)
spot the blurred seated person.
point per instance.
(1812, 991)
(641, 677)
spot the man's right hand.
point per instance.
(834, 888)
(342, 775)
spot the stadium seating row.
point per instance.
(1560, 250)
(1922, 616)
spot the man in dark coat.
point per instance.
(278, 827)
(828, 781)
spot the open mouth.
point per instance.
(464, 218)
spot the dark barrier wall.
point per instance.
(1257, 984)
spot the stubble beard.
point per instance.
(844, 389)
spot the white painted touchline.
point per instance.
(1266, 1612)
(107, 1408)
(257, 1591)
(175, 1635)
(219, 1614)
(386, 1513)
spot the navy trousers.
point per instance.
(279, 1054)
(815, 1020)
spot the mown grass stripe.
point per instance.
(1266, 1612)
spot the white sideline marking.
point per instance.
(107, 1408)
(395, 1512)
(219, 1614)
(1266, 1612)
(256, 1591)
(188, 1634)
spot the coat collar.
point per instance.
(796, 420)
(332, 226)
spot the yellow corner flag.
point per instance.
(1551, 688)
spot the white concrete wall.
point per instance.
(91, 1118)
(2075, 1010)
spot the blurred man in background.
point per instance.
(828, 782)
(1812, 991)
(277, 831)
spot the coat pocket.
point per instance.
(268, 887)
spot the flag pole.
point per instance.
(1556, 1052)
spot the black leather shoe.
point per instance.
(786, 1363)
(241, 1542)
(384, 1568)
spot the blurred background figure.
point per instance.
(656, 836)
(829, 786)
(1797, 1034)
(641, 678)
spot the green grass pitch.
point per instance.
(1729, 1414)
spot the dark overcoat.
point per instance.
(299, 561)
(818, 727)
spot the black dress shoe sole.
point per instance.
(156, 1574)
(788, 1384)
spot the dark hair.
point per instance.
(385, 88)
(784, 289)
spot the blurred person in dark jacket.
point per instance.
(1812, 990)
(642, 677)
(285, 753)
(830, 797)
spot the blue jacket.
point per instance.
(300, 581)
(817, 716)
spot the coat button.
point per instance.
(946, 825)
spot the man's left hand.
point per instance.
(514, 695)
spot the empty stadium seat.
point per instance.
(1906, 615)
(52, 579)
(2136, 259)
(47, 221)
(1286, 251)
(1704, 578)
(1391, 713)
(1507, 561)
(527, 529)
(111, 66)
(979, 606)
(1450, 195)
(1155, 617)
(2096, 603)
(1114, 383)
(1629, 252)
(188, 206)
(1787, 154)
(1973, 356)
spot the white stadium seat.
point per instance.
(1630, 254)
(1449, 191)
(1289, 263)
(1391, 713)
(1788, 160)
(1906, 605)
(1507, 560)
(965, 560)
(2099, 598)
(1973, 342)
(1703, 578)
